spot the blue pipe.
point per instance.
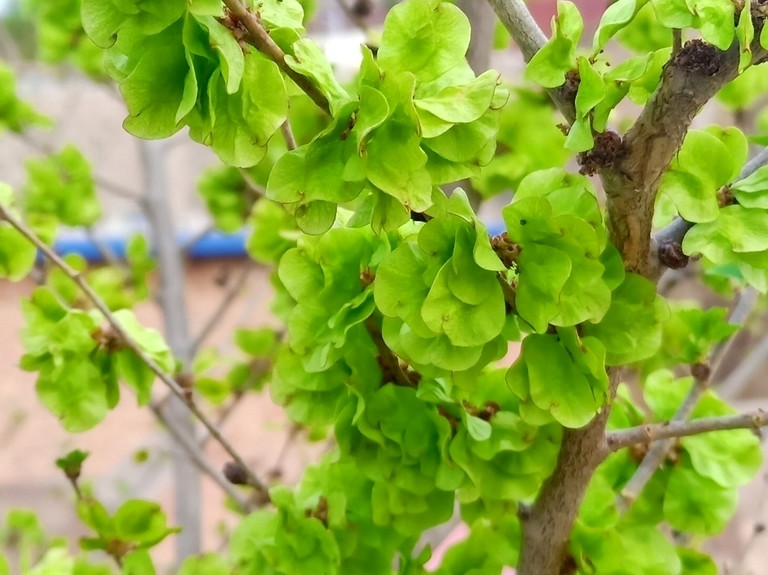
(214, 244)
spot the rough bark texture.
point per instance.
(547, 526)
(690, 79)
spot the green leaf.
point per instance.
(148, 339)
(273, 232)
(135, 373)
(75, 393)
(706, 162)
(153, 85)
(549, 65)
(752, 191)
(738, 236)
(695, 504)
(138, 563)
(555, 380)
(631, 328)
(256, 342)
(307, 59)
(543, 273)
(71, 464)
(460, 104)
(142, 522)
(717, 21)
(247, 119)
(427, 38)
(618, 15)
(696, 563)
(61, 185)
(103, 21)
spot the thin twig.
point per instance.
(671, 430)
(127, 340)
(293, 433)
(227, 299)
(677, 40)
(742, 374)
(253, 186)
(200, 460)
(658, 451)
(260, 39)
(290, 139)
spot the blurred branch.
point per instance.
(290, 139)
(125, 337)
(197, 456)
(743, 373)
(674, 429)
(231, 293)
(187, 491)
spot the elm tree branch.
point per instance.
(674, 429)
(290, 139)
(127, 340)
(689, 80)
(259, 38)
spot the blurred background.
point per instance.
(131, 454)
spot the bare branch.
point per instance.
(689, 80)
(260, 39)
(743, 373)
(227, 299)
(127, 340)
(674, 429)
(290, 139)
(548, 525)
(197, 456)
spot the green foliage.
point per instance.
(60, 36)
(398, 305)
(15, 114)
(60, 186)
